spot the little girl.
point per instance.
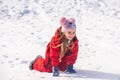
(61, 52)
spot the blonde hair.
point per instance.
(64, 44)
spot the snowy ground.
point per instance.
(26, 26)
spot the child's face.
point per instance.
(70, 34)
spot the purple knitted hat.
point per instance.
(67, 24)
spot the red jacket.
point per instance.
(52, 56)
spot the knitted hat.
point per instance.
(67, 24)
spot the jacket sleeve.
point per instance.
(71, 59)
(54, 51)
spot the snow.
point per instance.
(26, 26)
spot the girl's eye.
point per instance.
(71, 32)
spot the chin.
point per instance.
(69, 38)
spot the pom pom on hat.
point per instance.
(62, 21)
(67, 24)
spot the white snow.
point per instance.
(26, 26)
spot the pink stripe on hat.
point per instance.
(67, 24)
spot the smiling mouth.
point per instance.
(70, 37)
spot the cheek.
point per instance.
(74, 35)
(67, 35)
